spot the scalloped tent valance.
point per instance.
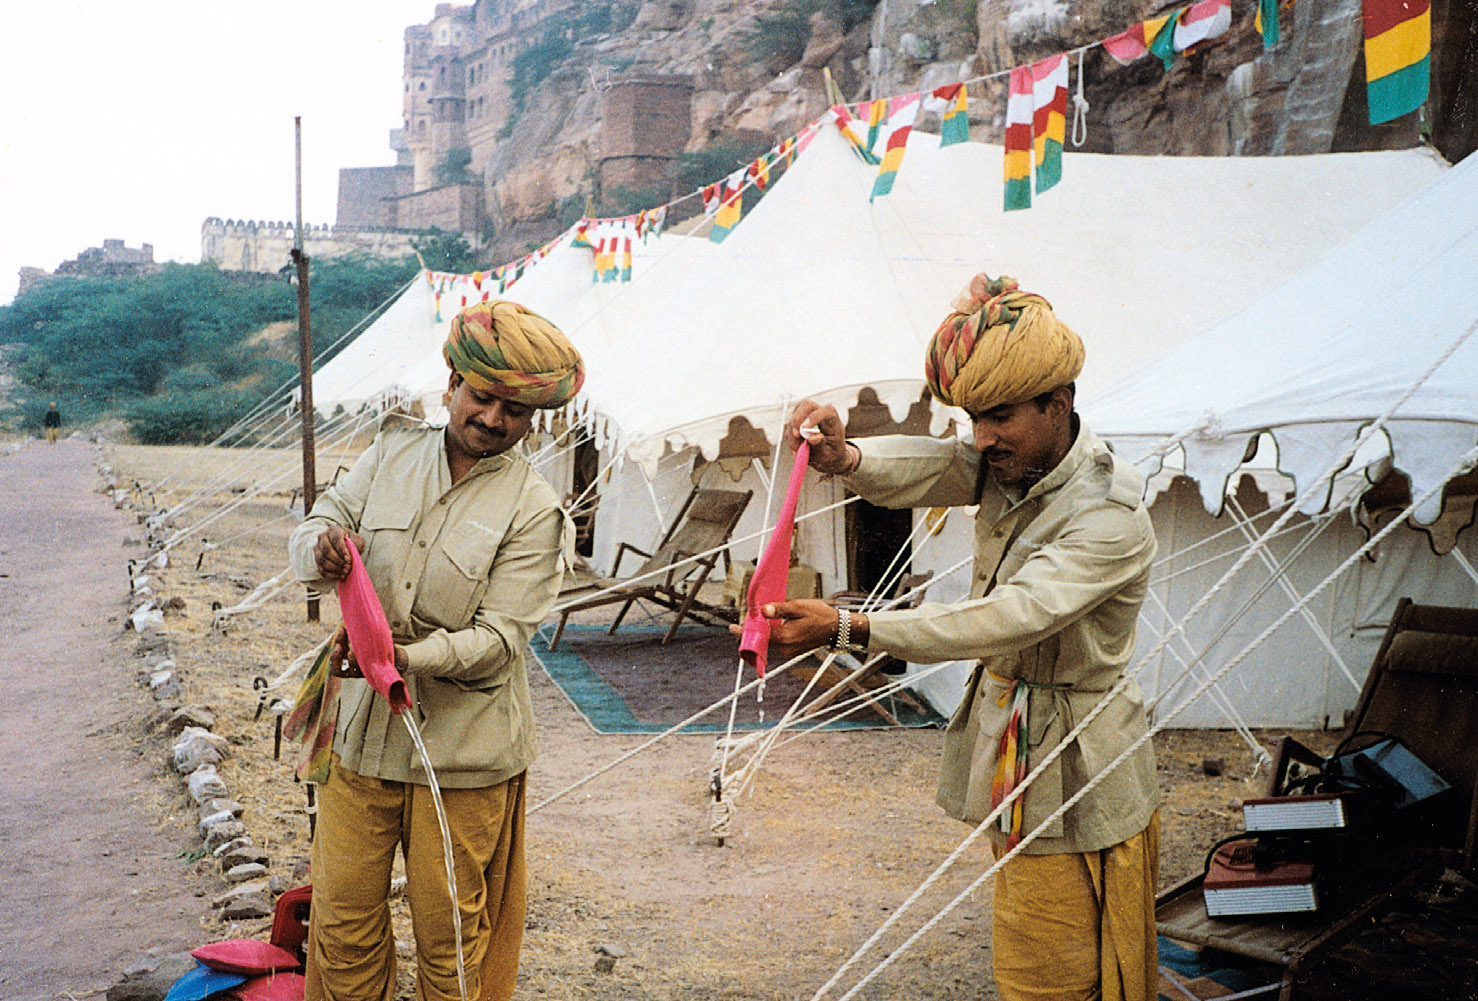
(1386, 316)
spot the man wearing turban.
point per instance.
(1063, 546)
(466, 546)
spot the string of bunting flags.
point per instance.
(1397, 56)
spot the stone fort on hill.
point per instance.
(456, 100)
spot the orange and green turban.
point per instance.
(998, 346)
(513, 353)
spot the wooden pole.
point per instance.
(305, 347)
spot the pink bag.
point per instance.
(246, 956)
(773, 570)
(369, 634)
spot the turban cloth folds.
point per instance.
(513, 353)
(999, 346)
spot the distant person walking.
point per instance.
(53, 423)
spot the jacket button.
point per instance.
(422, 543)
(407, 585)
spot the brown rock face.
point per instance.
(1228, 96)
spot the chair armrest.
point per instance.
(621, 551)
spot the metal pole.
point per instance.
(305, 347)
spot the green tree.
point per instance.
(175, 353)
(445, 251)
(455, 167)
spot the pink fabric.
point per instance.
(246, 956)
(773, 570)
(369, 635)
(272, 987)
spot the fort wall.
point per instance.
(265, 247)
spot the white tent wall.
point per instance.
(628, 512)
(1290, 680)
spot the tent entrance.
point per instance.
(879, 549)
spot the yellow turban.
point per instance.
(1000, 345)
(515, 354)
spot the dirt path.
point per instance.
(90, 882)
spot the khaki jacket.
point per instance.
(465, 574)
(1059, 577)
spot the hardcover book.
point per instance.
(1237, 884)
(1296, 813)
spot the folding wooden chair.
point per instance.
(672, 574)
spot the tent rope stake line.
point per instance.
(1331, 469)
(1465, 462)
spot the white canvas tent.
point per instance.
(1387, 313)
(821, 292)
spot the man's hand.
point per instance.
(799, 626)
(341, 661)
(331, 552)
(823, 428)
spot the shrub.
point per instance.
(194, 418)
(455, 167)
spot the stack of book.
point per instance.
(1239, 882)
(1319, 811)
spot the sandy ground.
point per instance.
(837, 831)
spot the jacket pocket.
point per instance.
(474, 726)
(457, 574)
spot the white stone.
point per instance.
(244, 872)
(165, 685)
(239, 890)
(197, 747)
(214, 820)
(205, 784)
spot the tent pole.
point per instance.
(305, 345)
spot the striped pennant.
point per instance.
(900, 124)
(712, 198)
(1398, 50)
(786, 151)
(1266, 22)
(955, 124)
(656, 219)
(848, 127)
(626, 258)
(1049, 118)
(1163, 44)
(731, 208)
(1201, 21)
(1127, 46)
(759, 173)
(1019, 140)
(876, 113)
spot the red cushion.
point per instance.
(245, 956)
(273, 987)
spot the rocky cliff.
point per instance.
(758, 68)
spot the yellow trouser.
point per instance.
(351, 951)
(51, 435)
(1079, 927)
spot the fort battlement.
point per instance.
(265, 246)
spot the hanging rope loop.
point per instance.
(1080, 107)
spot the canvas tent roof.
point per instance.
(1326, 353)
(819, 292)
(400, 353)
